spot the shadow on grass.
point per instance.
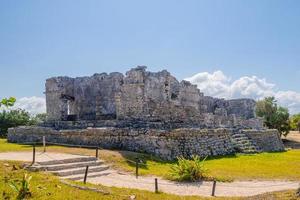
(143, 158)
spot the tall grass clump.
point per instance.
(188, 170)
(23, 190)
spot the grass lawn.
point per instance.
(5, 146)
(266, 166)
(45, 186)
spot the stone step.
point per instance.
(80, 170)
(80, 177)
(64, 166)
(70, 160)
(241, 138)
(238, 135)
(250, 151)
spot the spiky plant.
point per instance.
(188, 170)
(24, 189)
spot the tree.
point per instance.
(275, 117)
(14, 118)
(8, 102)
(39, 118)
(295, 122)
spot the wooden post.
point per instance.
(44, 143)
(97, 152)
(33, 154)
(156, 185)
(136, 168)
(85, 174)
(213, 188)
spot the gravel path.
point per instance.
(120, 179)
(40, 156)
(237, 188)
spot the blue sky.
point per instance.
(40, 39)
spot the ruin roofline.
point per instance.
(139, 67)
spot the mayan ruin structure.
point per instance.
(148, 112)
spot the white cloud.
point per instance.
(33, 105)
(217, 84)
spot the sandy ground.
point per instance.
(120, 179)
(40, 156)
(238, 188)
(292, 140)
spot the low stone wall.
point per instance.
(268, 141)
(166, 144)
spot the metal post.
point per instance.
(213, 188)
(156, 186)
(33, 154)
(44, 143)
(85, 174)
(136, 167)
(97, 152)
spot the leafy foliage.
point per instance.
(188, 170)
(8, 102)
(14, 118)
(24, 189)
(39, 118)
(275, 117)
(295, 122)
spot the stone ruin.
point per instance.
(143, 97)
(148, 112)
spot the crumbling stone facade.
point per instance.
(148, 112)
(143, 96)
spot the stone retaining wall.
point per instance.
(268, 141)
(166, 144)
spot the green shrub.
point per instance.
(188, 170)
(13, 118)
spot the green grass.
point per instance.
(45, 186)
(284, 165)
(264, 166)
(280, 165)
(5, 146)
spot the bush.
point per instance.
(188, 170)
(14, 118)
(295, 122)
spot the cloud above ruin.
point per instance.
(217, 84)
(33, 105)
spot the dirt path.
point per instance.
(237, 188)
(40, 157)
(120, 179)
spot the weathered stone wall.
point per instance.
(268, 141)
(144, 96)
(85, 97)
(166, 144)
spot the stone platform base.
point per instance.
(166, 144)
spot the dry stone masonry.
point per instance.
(148, 112)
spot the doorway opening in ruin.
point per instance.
(70, 113)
